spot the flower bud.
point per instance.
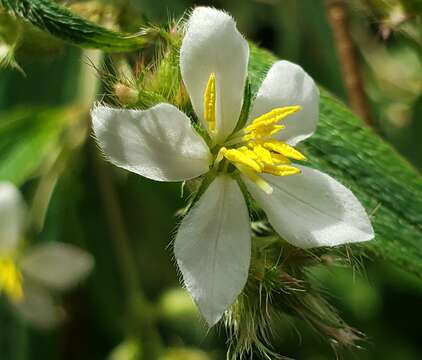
(125, 94)
(129, 349)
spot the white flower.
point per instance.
(213, 244)
(28, 275)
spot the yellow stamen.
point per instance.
(11, 280)
(271, 130)
(259, 181)
(280, 159)
(283, 149)
(240, 157)
(272, 117)
(260, 152)
(263, 132)
(249, 153)
(209, 103)
(281, 170)
(263, 154)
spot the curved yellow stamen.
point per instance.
(263, 154)
(241, 157)
(209, 103)
(272, 117)
(280, 159)
(263, 132)
(283, 149)
(281, 170)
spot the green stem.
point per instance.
(141, 312)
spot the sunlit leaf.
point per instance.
(27, 137)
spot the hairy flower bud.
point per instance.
(127, 95)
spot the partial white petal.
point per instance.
(12, 217)
(288, 84)
(57, 266)
(159, 143)
(38, 308)
(312, 209)
(213, 248)
(212, 43)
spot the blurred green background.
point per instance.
(382, 302)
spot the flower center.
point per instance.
(10, 279)
(254, 150)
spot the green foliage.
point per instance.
(27, 138)
(60, 22)
(389, 187)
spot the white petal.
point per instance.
(159, 143)
(57, 265)
(312, 209)
(288, 84)
(38, 308)
(213, 248)
(12, 217)
(212, 43)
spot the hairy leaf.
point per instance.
(60, 22)
(27, 137)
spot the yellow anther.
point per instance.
(263, 132)
(249, 153)
(272, 117)
(280, 159)
(263, 154)
(273, 129)
(240, 157)
(281, 170)
(11, 280)
(209, 103)
(253, 155)
(283, 149)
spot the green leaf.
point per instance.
(27, 137)
(60, 22)
(387, 185)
